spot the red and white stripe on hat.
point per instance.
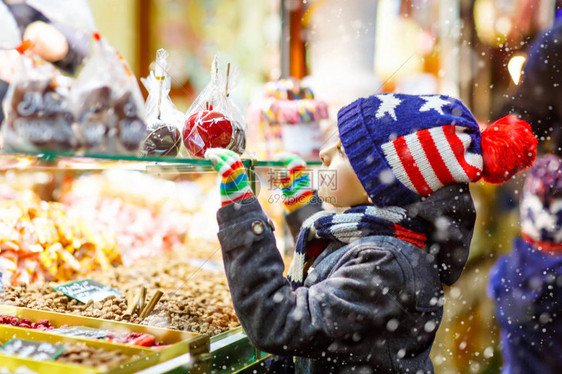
(430, 159)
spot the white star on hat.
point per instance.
(433, 102)
(388, 104)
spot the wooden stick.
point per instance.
(131, 305)
(152, 304)
(142, 299)
(227, 77)
(136, 302)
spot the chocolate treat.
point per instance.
(130, 127)
(39, 118)
(96, 118)
(238, 143)
(163, 140)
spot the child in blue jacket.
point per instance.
(527, 283)
(364, 294)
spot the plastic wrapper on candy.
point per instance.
(37, 114)
(106, 99)
(163, 119)
(213, 121)
(108, 104)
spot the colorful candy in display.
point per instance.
(42, 325)
(131, 338)
(41, 241)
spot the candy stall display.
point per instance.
(169, 290)
(287, 118)
(112, 264)
(194, 303)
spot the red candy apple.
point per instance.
(206, 129)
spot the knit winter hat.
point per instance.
(405, 147)
(541, 202)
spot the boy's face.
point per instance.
(340, 186)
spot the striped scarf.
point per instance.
(355, 223)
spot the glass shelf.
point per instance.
(71, 161)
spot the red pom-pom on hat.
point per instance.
(508, 146)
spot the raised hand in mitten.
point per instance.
(294, 182)
(234, 184)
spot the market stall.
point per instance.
(109, 260)
(103, 313)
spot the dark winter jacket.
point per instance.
(372, 306)
(527, 287)
(538, 98)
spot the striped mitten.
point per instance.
(234, 185)
(295, 183)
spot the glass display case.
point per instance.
(48, 198)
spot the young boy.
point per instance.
(527, 283)
(363, 293)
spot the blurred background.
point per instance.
(472, 49)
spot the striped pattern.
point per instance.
(295, 187)
(347, 227)
(234, 182)
(553, 248)
(430, 159)
(234, 185)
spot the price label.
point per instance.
(31, 349)
(81, 332)
(86, 290)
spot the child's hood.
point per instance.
(451, 214)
